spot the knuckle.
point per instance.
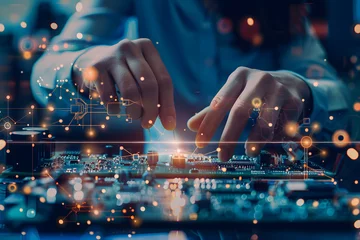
(265, 78)
(125, 45)
(144, 41)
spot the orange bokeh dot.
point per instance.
(352, 153)
(357, 107)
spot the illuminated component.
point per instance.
(341, 138)
(357, 222)
(256, 102)
(142, 79)
(354, 202)
(2, 144)
(90, 74)
(61, 221)
(357, 107)
(352, 153)
(23, 24)
(306, 142)
(79, 7)
(12, 187)
(357, 28)
(291, 128)
(27, 55)
(31, 213)
(2, 27)
(53, 26)
(300, 202)
(250, 21)
(218, 149)
(79, 35)
(51, 108)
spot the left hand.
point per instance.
(280, 96)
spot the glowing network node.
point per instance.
(7, 125)
(352, 153)
(306, 142)
(256, 102)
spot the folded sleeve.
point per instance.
(98, 22)
(306, 59)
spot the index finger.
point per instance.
(166, 93)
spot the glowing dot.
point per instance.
(102, 125)
(150, 122)
(90, 74)
(253, 148)
(352, 153)
(27, 190)
(315, 204)
(316, 84)
(276, 108)
(49, 136)
(21, 210)
(103, 190)
(357, 222)
(250, 21)
(357, 107)
(256, 102)
(107, 117)
(66, 128)
(96, 212)
(53, 26)
(357, 29)
(356, 212)
(88, 222)
(255, 221)
(355, 202)
(79, 7)
(51, 108)
(158, 105)
(270, 124)
(300, 202)
(27, 55)
(23, 24)
(61, 121)
(2, 27)
(155, 203)
(306, 142)
(142, 209)
(218, 149)
(121, 148)
(79, 35)
(23, 233)
(142, 79)
(2, 208)
(291, 128)
(331, 118)
(61, 221)
(7, 97)
(91, 133)
(356, 181)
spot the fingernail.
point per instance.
(170, 122)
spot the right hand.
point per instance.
(140, 75)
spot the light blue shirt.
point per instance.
(198, 57)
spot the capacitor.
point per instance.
(178, 161)
(152, 158)
(23, 152)
(48, 145)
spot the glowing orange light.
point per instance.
(341, 138)
(306, 142)
(61, 221)
(53, 26)
(250, 21)
(357, 28)
(256, 102)
(90, 74)
(357, 107)
(291, 128)
(352, 153)
(51, 108)
(27, 55)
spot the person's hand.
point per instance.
(280, 96)
(137, 70)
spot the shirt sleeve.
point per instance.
(306, 59)
(99, 22)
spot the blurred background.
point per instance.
(27, 26)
